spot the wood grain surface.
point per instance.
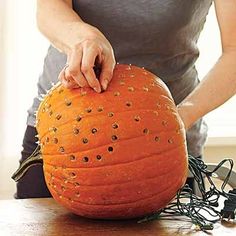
(45, 217)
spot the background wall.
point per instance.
(22, 50)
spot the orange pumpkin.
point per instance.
(118, 154)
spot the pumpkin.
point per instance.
(115, 155)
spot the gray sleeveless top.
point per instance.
(160, 35)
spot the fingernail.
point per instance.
(105, 83)
(98, 90)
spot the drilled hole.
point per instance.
(47, 139)
(146, 131)
(128, 104)
(50, 113)
(157, 139)
(60, 91)
(72, 158)
(114, 137)
(72, 174)
(58, 116)
(110, 114)
(164, 123)
(77, 184)
(88, 110)
(85, 159)
(76, 131)
(77, 194)
(85, 140)
(137, 118)
(145, 89)
(110, 149)
(68, 103)
(54, 129)
(83, 93)
(55, 140)
(117, 94)
(122, 82)
(78, 118)
(115, 126)
(100, 109)
(47, 105)
(94, 130)
(63, 188)
(158, 105)
(170, 140)
(99, 157)
(62, 149)
(131, 89)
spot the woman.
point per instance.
(160, 35)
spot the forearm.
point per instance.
(216, 88)
(59, 23)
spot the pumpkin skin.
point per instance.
(116, 155)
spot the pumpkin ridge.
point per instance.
(107, 144)
(123, 163)
(111, 204)
(105, 115)
(120, 183)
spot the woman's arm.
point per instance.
(83, 44)
(220, 83)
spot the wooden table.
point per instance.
(45, 217)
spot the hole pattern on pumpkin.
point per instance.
(145, 89)
(76, 131)
(100, 109)
(67, 102)
(170, 140)
(157, 139)
(131, 89)
(72, 175)
(85, 159)
(146, 131)
(94, 130)
(99, 157)
(115, 126)
(137, 118)
(62, 149)
(114, 137)
(54, 129)
(110, 149)
(128, 104)
(85, 140)
(78, 118)
(110, 114)
(72, 157)
(88, 110)
(164, 123)
(58, 116)
(55, 140)
(116, 94)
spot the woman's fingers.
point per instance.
(73, 71)
(87, 67)
(107, 72)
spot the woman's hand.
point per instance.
(84, 45)
(91, 49)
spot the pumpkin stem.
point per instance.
(34, 159)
